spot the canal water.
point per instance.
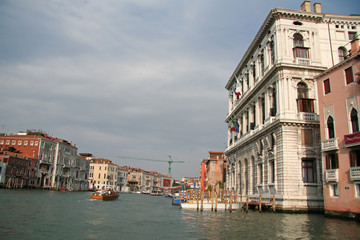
(37, 214)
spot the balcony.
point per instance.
(308, 116)
(352, 139)
(355, 173)
(303, 61)
(329, 144)
(331, 175)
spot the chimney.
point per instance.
(306, 6)
(317, 7)
(354, 47)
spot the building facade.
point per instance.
(339, 102)
(273, 122)
(122, 179)
(56, 157)
(18, 171)
(213, 170)
(102, 174)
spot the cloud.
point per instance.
(136, 78)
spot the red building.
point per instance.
(213, 170)
(339, 107)
(20, 170)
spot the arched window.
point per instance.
(354, 120)
(298, 40)
(330, 126)
(299, 50)
(302, 90)
(342, 53)
(304, 103)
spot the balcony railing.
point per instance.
(308, 116)
(329, 144)
(331, 175)
(355, 173)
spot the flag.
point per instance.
(238, 84)
(236, 125)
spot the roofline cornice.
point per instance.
(273, 15)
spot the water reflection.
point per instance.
(58, 215)
(266, 225)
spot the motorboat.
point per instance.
(105, 195)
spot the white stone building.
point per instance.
(122, 174)
(273, 138)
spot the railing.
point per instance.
(303, 61)
(355, 173)
(331, 175)
(329, 144)
(308, 116)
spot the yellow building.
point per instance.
(102, 174)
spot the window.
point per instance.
(272, 52)
(332, 161)
(19, 142)
(299, 50)
(354, 120)
(254, 70)
(99, 175)
(7, 142)
(334, 190)
(298, 40)
(13, 142)
(302, 90)
(272, 172)
(262, 64)
(1, 142)
(352, 35)
(32, 143)
(308, 170)
(349, 75)
(213, 174)
(263, 110)
(213, 164)
(357, 189)
(25, 143)
(327, 88)
(305, 104)
(36, 143)
(306, 137)
(355, 158)
(330, 126)
(342, 54)
(260, 174)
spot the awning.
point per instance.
(352, 138)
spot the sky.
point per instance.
(129, 78)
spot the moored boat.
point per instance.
(105, 195)
(157, 193)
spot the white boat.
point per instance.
(208, 205)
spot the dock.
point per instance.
(224, 200)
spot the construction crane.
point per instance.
(170, 161)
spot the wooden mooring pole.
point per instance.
(273, 203)
(216, 199)
(197, 199)
(230, 207)
(260, 203)
(247, 203)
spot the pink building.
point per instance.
(213, 170)
(339, 108)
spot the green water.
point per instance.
(36, 214)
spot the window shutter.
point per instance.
(349, 75)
